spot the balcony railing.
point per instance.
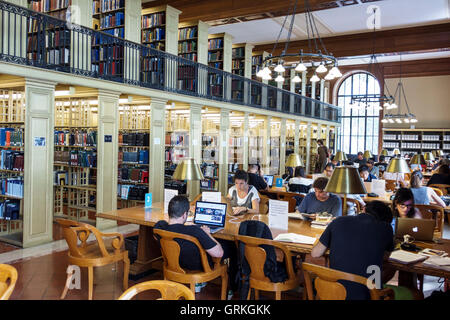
(39, 40)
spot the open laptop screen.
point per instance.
(210, 213)
(269, 180)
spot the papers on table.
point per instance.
(295, 215)
(296, 238)
(438, 262)
(406, 257)
(278, 214)
(168, 195)
(377, 186)
(211, 196)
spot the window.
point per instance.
(359, 129)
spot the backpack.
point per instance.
(274, 270)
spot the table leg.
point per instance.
(148, 251)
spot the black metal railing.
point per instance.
(40, 40)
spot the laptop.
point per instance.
(419, 229)
(211, 214)
(269, 180)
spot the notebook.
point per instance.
(406, 257)
(269, 180)
(210, 214)
(419, 229)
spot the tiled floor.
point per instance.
(42, 275)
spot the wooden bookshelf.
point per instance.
(220, 51)
(210, 154)
(416, 140)
(75, 158)
(257, 59)
(12, 135)
(109, 17)
(192, 41)
(134, 139)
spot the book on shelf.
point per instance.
(187, 33)
(209, 184)
(153, 20)
(135, 175)
(112, 20)
(12, 160)
(109, 5)
(131, 192)
(11, 137)
(215, 44)
(134, 139)
(83, 158)
(75, 138)
(10, 210)
(12, 187)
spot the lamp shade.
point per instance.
(437, 153)
(340, 156)
(428, 156)
(396, 152)
(188, 169)
(398, 166)
(367, 154)
(417, 159)
(294, 160)
(384, 152)
(345, 180)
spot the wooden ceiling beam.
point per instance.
(210, 10)
(389, 41)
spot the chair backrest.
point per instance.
(443, 187)
(171, 250)
(433, 212)
(7, 274)
(264, 204)
(354, 201)
(390, 185)
(169, 290)
(438, 191)
(256, 257)
(327, 287)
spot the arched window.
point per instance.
(359, 128)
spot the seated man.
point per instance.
(329, 169)
(189, 254)
(373, 170)
(360, 159)
(357, 242)
(382, 164)
(320, 200)
(365, 175)
(255, 179)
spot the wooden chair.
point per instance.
(263, 204)
(256, 257)
(92, 255)
(7, 274)
(358, 208)
(328, 288)
(172, 270)
(433, 212)
(443, 187)
(390, 185)
(169, 290)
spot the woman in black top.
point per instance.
(442, 176)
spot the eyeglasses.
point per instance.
(404, 206)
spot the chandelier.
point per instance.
(400, 92)
(317, 58)
(360, 101)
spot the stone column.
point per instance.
(224, 136)
(195, 145)
(297, 137)
(245, 146)
(282, 146)
(309, 129)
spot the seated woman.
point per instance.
(403, 205)
(299, 183)
(423, 195)
(442, 176)
(244, 197)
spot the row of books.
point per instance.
(210, 170)
(217, 65)
(187, 84)
(157, 34)
(75, 138)
(215, 44)
(112, 20)
(96, 8)
(186, 71)
(257, 60)
(12, 187)
(133, 175)
(209, 184)
(109, 68)
(58, 56)
(10, 210)
(187, 46)
(116, 32)
(238, 53)
(190, 56)
(48, 5)
(11, 137)
(215, 78)
(107, 52)
(11, 160)
(214, 56)
(215, 90)
(134, 139)
(152, 20)
(139, 157)
(187, 33)
(108, 5)
(80, 158)
(176, 154)
(237, 64)
(131, 192)
(180, 139)
(157, 46)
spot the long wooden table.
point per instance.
(148, 248)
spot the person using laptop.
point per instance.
(403, 205)
(357, 242)
(244, 198)
(255, 179)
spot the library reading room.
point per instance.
(147, 147)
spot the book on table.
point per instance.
(406, 257)
(296, 238)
